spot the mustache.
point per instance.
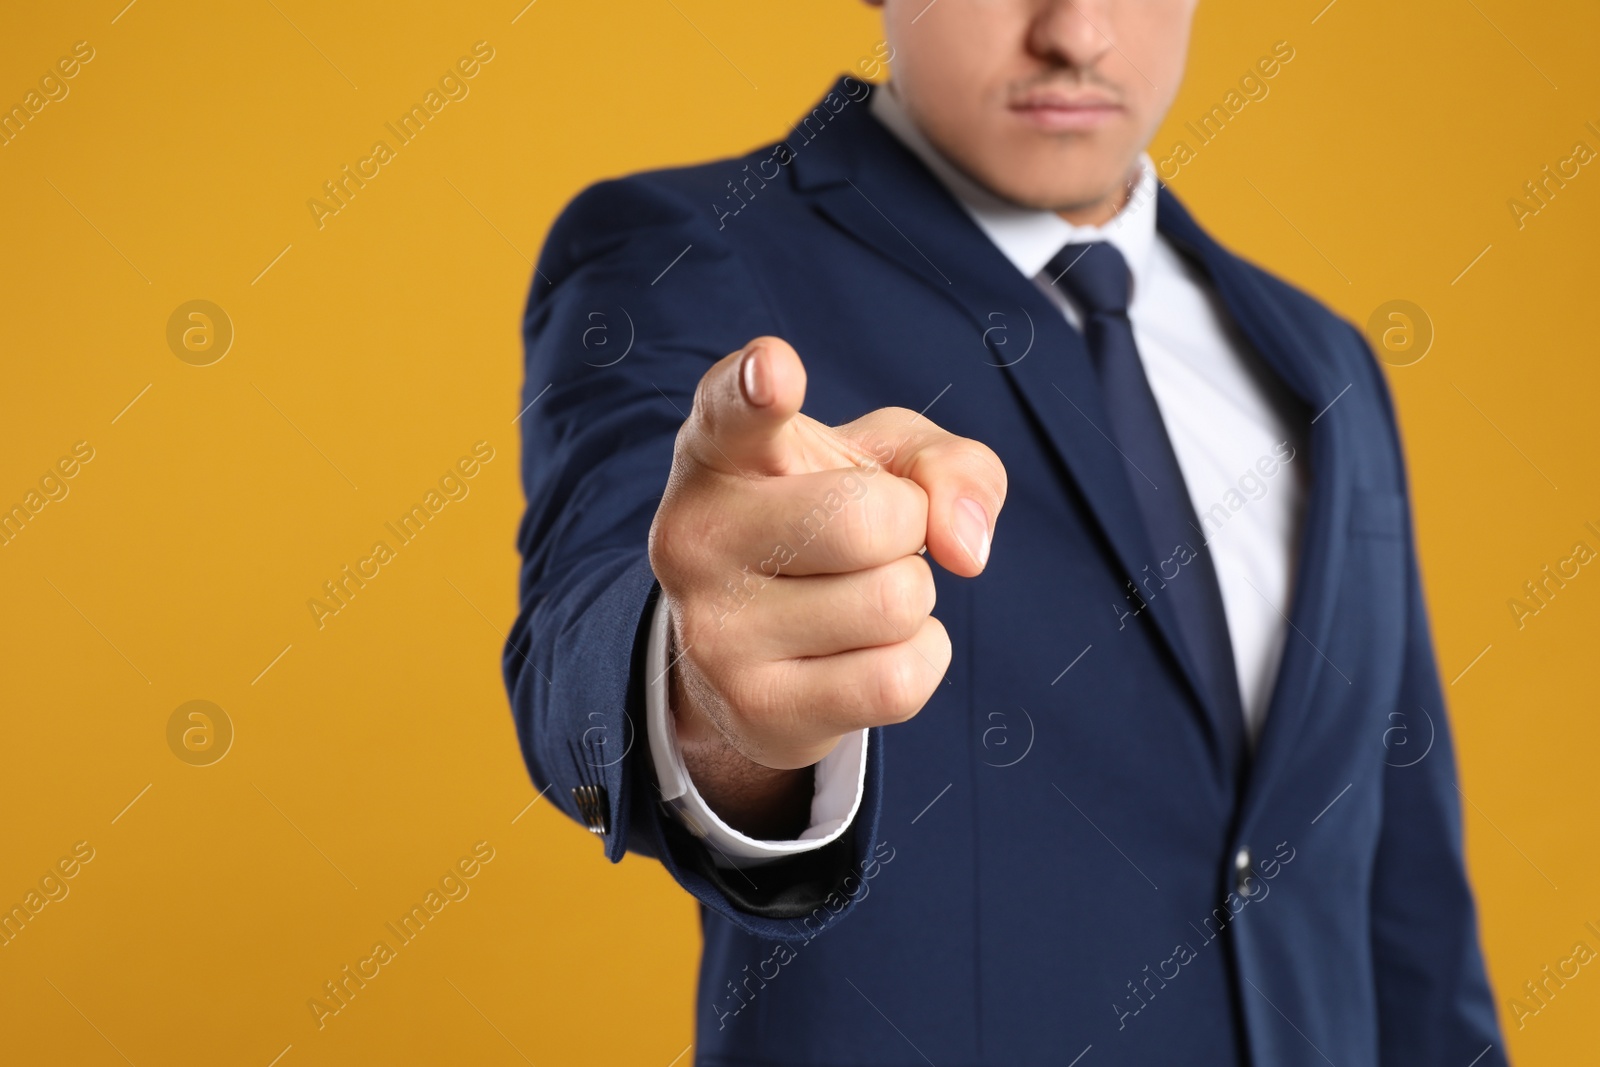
(1066, 79)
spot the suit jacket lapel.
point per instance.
(1263, 321)
(874, 188)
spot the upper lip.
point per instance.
(1064, 98)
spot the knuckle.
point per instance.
(714, 393)
(927, 590)
(966, 458)
(991, 469)
(688, 553)
(981, 456)
(895, 414)
(894, 608)
(711, 634)
(930, 462)
(662, 545)
(704, 416)
(905, 596)
(749, 690)
(701, 404)
(893, 523)
(862, 537)
(677, 538)
(962, 454)
(938, 648)
(898, 685)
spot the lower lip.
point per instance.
(1067, 118)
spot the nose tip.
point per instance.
(1075, 32)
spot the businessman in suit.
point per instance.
(993, 600)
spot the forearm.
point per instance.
(598, 447)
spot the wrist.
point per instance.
(759, 801)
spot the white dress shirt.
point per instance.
(1226, 415)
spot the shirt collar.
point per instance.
(1029, 237)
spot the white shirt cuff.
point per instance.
(840, 776)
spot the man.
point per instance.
(1126, 796)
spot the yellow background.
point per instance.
(372, 754)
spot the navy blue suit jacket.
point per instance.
(1044, 861)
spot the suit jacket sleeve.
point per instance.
(636, 295)
(1434, 1002)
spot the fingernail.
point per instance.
(753, 378)
(971, 526)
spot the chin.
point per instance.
(1052, 172)
(1058, 197)
(1057, 184)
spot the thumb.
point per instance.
(744, 408)
(964, 479)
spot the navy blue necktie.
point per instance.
(1096, 278)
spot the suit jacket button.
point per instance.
(1241, 871)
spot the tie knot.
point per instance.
(1094, 275)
